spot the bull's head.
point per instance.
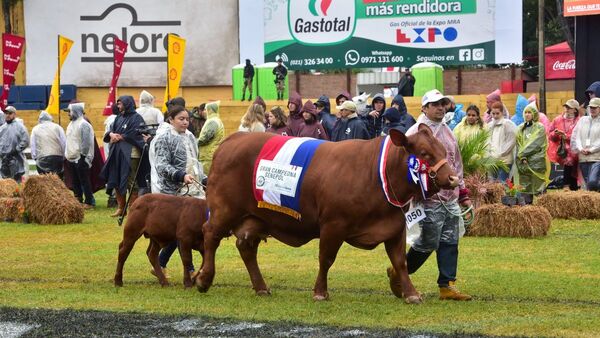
(427, 148)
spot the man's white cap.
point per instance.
(433, 95)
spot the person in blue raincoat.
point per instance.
(126, 145)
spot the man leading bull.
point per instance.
(440, 228)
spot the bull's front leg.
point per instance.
(400, 282)
(329, 246)
(207, 272)
(248, 239)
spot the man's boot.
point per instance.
(132, 198)
(250, 98)
(120, 204)
(447, 258)
(415, 259)
(243, 96)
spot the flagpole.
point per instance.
(168, 87)
(58, 76)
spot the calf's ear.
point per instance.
(398, 138)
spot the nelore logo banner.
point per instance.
(321, 21)
(317, 34)
(143, 25)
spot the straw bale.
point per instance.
(497, 220)
(11, 209)
(483, 192)
(571, 204)
(8, 187)
(48, 201)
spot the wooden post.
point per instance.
(541, 57)
(349, 80)
(459, 81)
(297, 77)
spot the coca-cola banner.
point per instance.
(12, 47)
(560, 62)
(120, 48)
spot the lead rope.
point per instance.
(469, 210)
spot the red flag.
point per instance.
(120, 48)
(12, 49)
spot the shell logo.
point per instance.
(176, 48)
(173, 74)
(51, 100)
(65, 49)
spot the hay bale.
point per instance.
(497, 220)
(11, 209)
(483, 192)
(571, 204)
(48, 201)
(8, 187)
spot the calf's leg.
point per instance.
(131, 233)
(247, 243)
(152, 253)
(185, 252)
(400, 282)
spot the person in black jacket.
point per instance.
(248, 77)
(374, 118)
(280, 73)
(349, 125)
(325, 117)
(406, 85)
(397, 116)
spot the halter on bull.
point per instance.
(326, 203)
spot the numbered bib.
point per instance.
(414, 216)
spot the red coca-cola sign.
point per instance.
(560, 62)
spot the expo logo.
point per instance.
(431, 33)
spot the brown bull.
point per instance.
(163, 219)
(327, 203)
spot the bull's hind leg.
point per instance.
(125, 248)
(329, 246)
(400, 282)
(152, 253)
(248, 239)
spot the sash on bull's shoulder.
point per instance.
(279, 171)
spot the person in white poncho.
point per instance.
(502, 140)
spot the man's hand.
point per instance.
(114, 137)
(146, 137)
(188, 179)
(586, 151)
(374, 113)
(466, 203)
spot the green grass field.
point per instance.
(532, 287)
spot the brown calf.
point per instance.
(164, 219)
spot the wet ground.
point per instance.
(70, 323)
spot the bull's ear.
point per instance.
(424, 127)
(398, 138)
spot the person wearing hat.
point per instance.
(280, 73)
(586, 142)
(126, 149)
(560, 132)
(79, 153)
(440, 228)
(489, 101)
(13, 141)
(349, 125)
(151, 115)
(533, 170)
(211, 135)
(326, 119)
(48, 143)
(248, 76)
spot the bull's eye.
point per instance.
(423, 154)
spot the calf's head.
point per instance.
(427, 148)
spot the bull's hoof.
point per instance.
(164, 284)
(188, 285)
(318, 297)
(414, 299)
(118, 283)
(202, 288)
(263, 292)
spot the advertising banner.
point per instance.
(120, 48)
(581, 7)
(12, 47)
(175, 57)
(64, 46)
(314, 34)
(210, 27)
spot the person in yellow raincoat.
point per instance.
(211, 135)
(531, 160)
(470, 125)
